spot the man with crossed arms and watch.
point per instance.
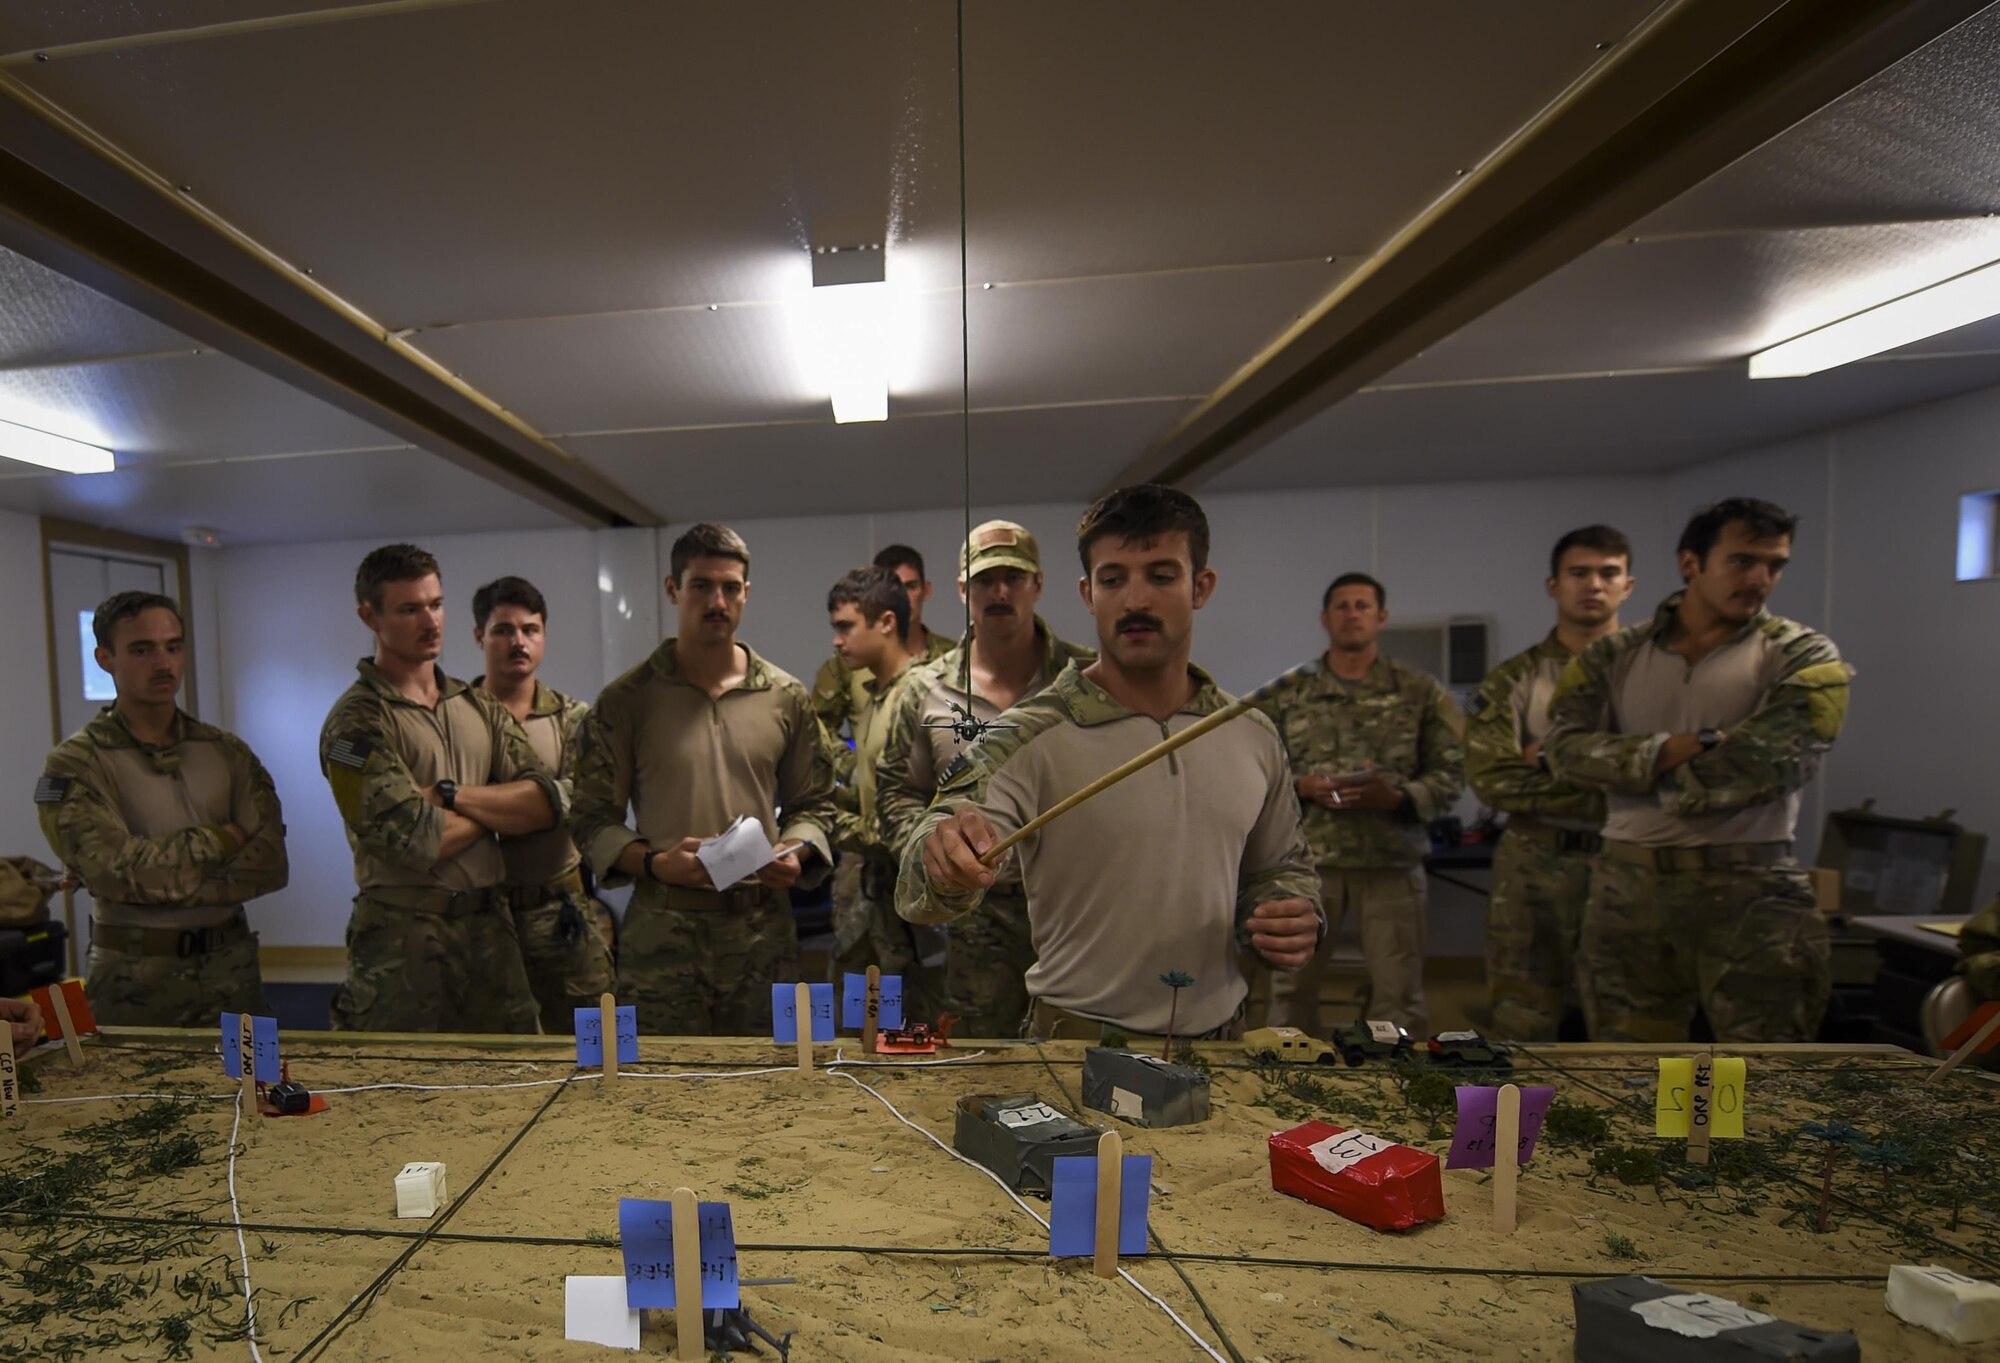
(1703, 727)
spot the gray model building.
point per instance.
(1019, 1138)
(1639, 1320)
(1143, 1090)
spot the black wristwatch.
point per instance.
(651, 874)
(448, 793)
(1708, 738)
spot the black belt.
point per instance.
(1587, 841)
(1719, 856)
(180, 942)
(736, 897)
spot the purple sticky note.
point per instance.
(646, 1236)
(1073, 1205)
(784, 1001)
(264, 1065)
(1479, 1111)
(888, 1002)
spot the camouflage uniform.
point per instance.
(1410, 728)
(838, 694)
(1541, 870)
(556, 919)
(430, 946)
(991, 951)
(1696, 896)
(867, 931)
(699, 962)
(143, 828)
(1156, 874)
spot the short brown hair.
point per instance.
(707, 540)
(391, 563)
(875, 591)
(1144, 512)
(507, 591)
(1602, 538)
(125, 606)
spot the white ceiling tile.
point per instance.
(905, 463)
(384, 494)
(47, 318)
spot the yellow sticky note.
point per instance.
(1673, 1106)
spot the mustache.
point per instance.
(1141, 620)
(520, 653)
(999, 608)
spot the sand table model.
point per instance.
(127, 1224)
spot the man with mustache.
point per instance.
(703, 733)
(1171, 870)
(1541, 870)
(1013, 655)
(1377, 752)
(171, 825)
(428, 774)
(555, 916)
(1703, 726)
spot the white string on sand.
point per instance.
(1001, 1183)
(242, 1247)
(839, 1059)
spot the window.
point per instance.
(96, 681)
(1978, 536)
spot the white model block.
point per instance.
(1963, 1310)
(420, 1190)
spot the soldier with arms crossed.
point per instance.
(171, 824)
(1541, 870)
(1703, 727)
(428, 774)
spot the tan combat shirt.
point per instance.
(553, 721)
(1153, 875)
(143, 826)
(381, 751)
(690, 764)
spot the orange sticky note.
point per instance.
(79, 1010)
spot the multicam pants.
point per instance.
(127, 989)
(1747, 943)
(702, 962)
(1390, 905)
(992, 950)
(1533, 923)
(410, 970)
(868, 932)
(566, 957)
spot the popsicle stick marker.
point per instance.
(253, 1115)
(1701, 1107)
(1506, 1157)
(1973, 1046)
(689, 1343)
(70, 1040)
(1110, 1184)
(10, 1083)
(607, 1011)
(802, 1009)
(871, 1011)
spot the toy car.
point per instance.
(1468, 1050)
(289, 1099)
(915, 1039)
(1359, 1042)
(1288, 1044)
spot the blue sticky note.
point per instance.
(785, 1027)
(264, 1065)
(854, 1002)
(646, 1235)
(1073, 1205)
(590, 1036)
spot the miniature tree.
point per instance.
(1836, 1134)
(1175, 980)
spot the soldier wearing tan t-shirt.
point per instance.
(556, 918)
(171, 824)
(1166, 873)
(699, 735)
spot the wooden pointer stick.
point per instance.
(1970, 1048)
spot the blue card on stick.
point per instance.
(854, 1002)
(646, 1235)
(590, 1036)
(785, 1026)
(1073, 1205)
(264, 1065)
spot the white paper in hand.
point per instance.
(594, 1312)
(738, 851)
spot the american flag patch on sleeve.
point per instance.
(51, 790)
(350, 752)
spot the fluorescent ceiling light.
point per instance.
(848, 322)
(1963, 299)
(31, 446)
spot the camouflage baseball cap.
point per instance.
(999, 544)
